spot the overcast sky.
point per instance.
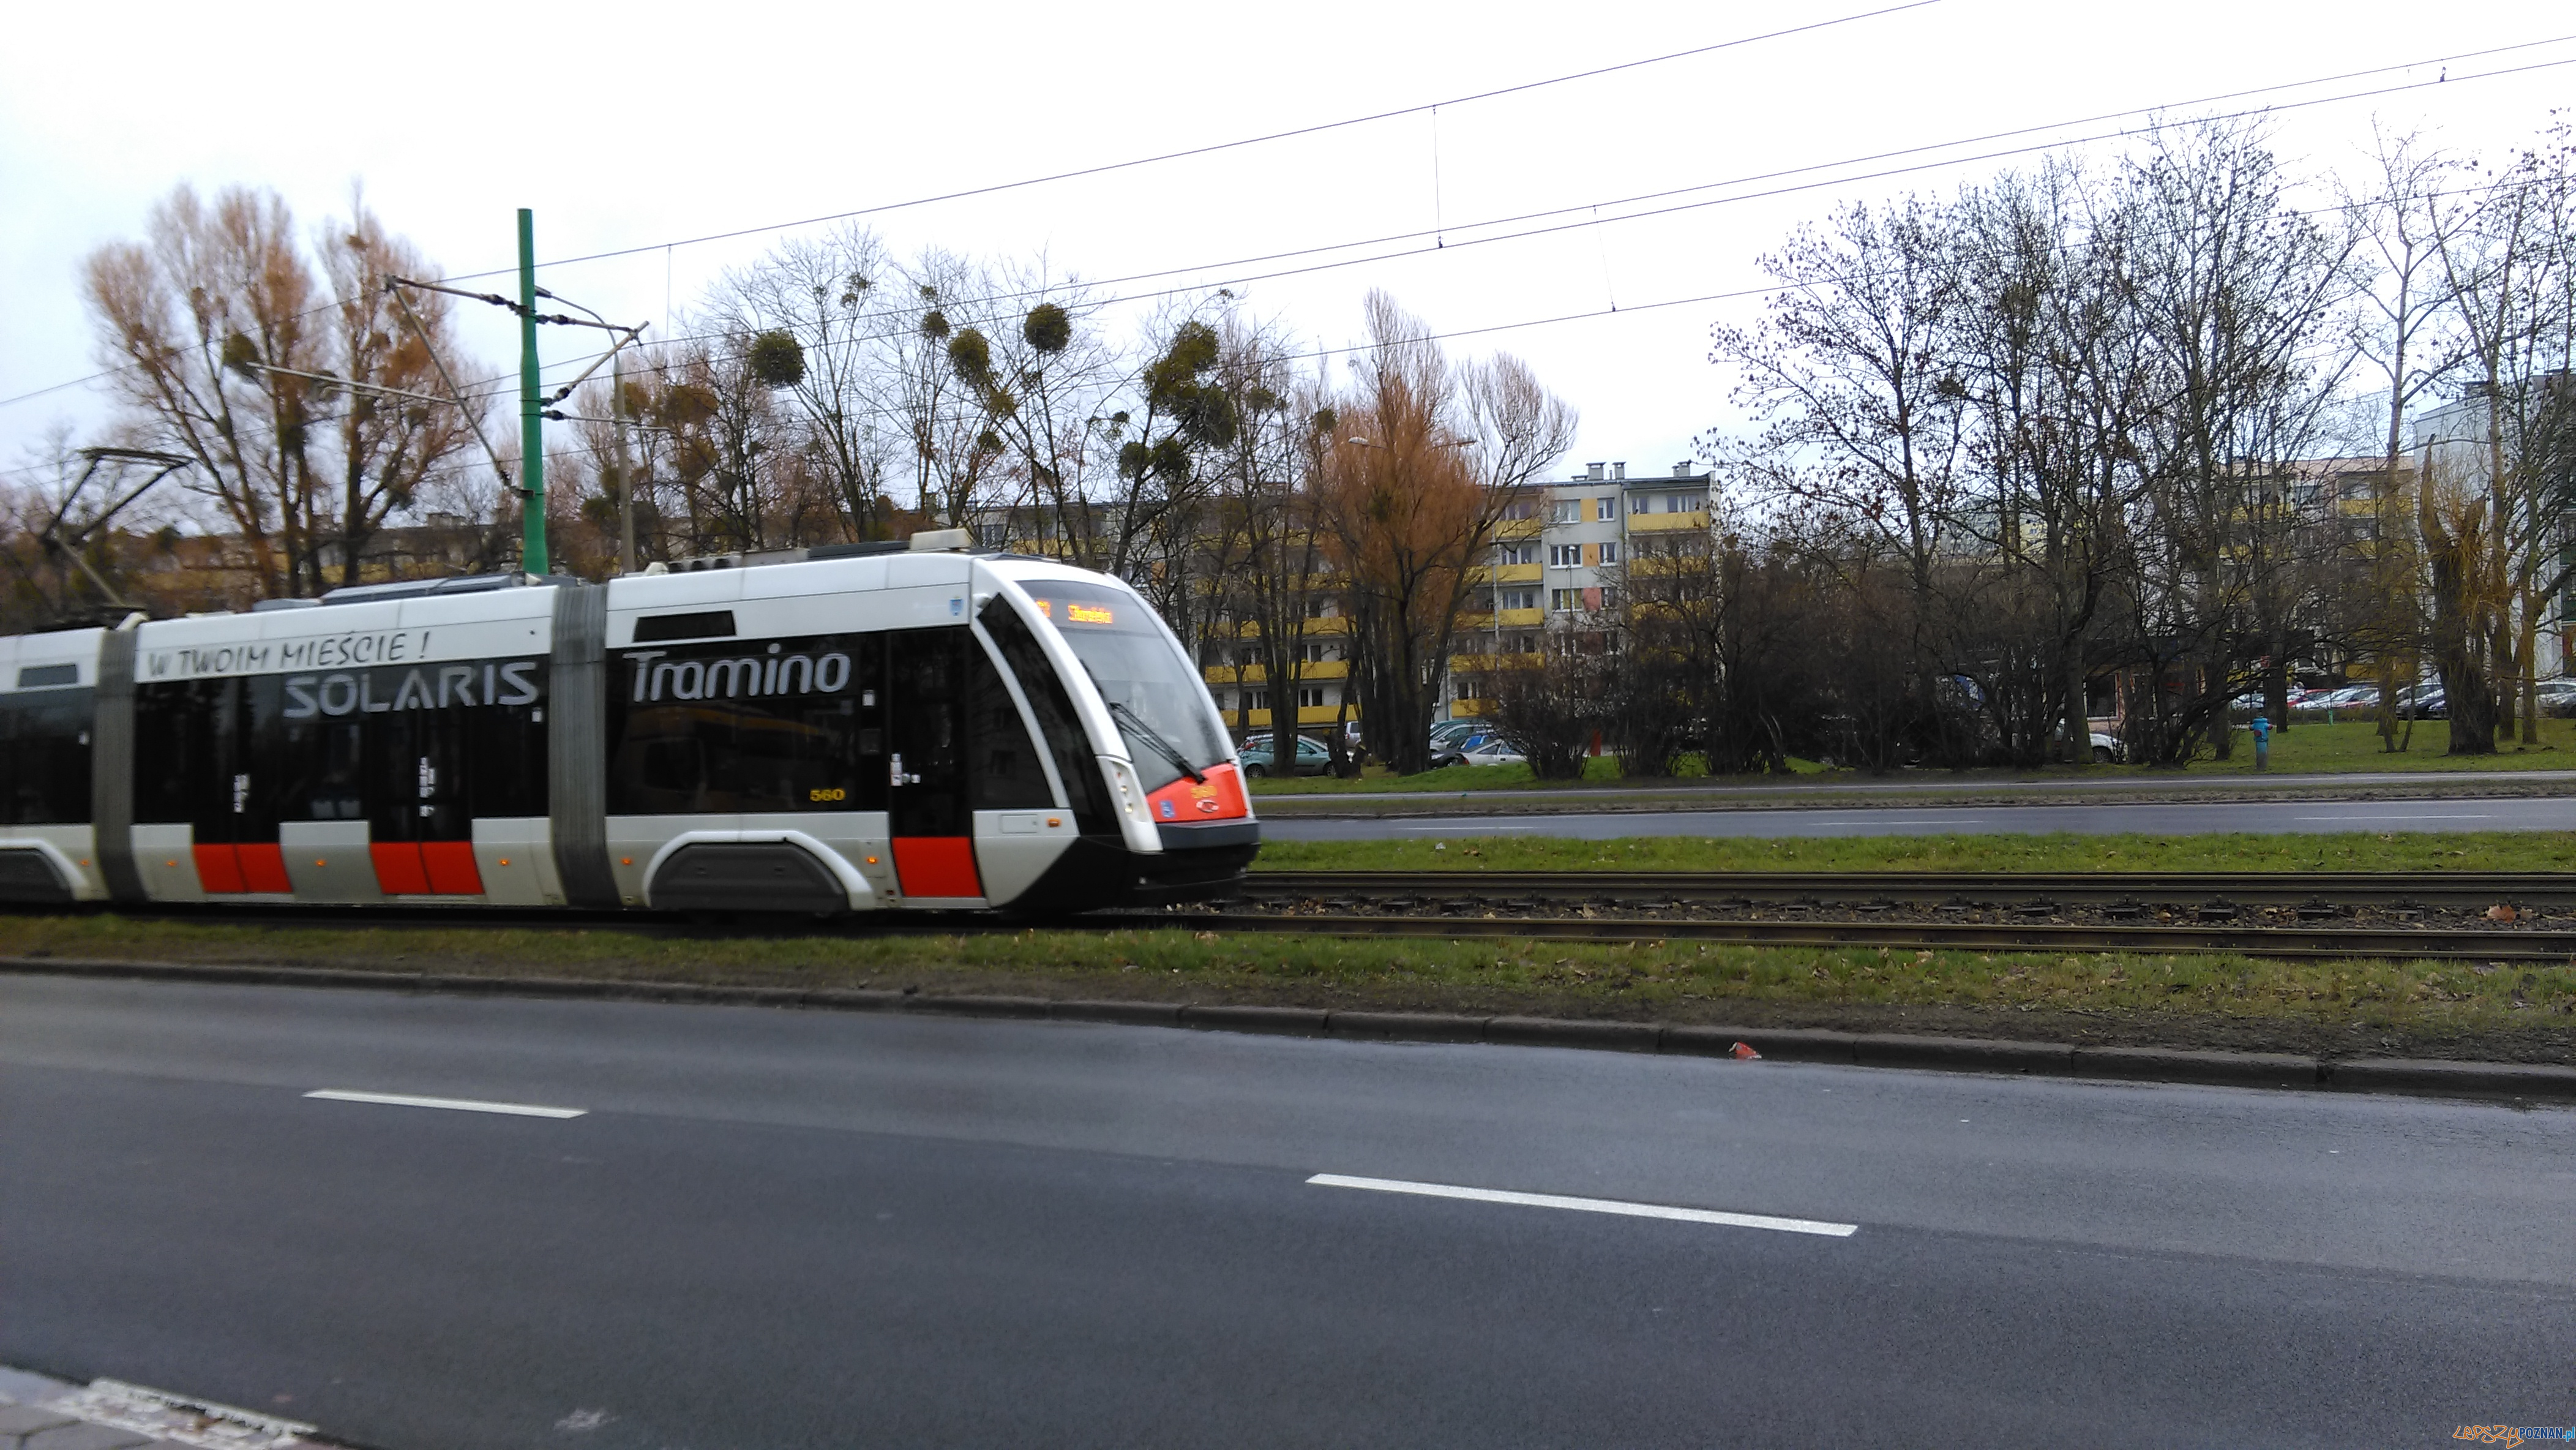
(637, 125)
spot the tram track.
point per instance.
(2520, 917)
(2523, 918)
(2518, 947)
(2394, 890)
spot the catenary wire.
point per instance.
(501, 386)
(666, 246)
(1588, 207)
(1094, 305)
(1214, 147)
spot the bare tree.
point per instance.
(1408, 514)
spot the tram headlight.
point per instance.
(1131, 791)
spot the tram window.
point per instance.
(183, 750)
(240, 755)
(711, 624)
(1048, 700)
(45, 735)
(748, 726)
(1004, 773)
(321, 770)
(506, 753)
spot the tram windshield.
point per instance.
(1160, 704)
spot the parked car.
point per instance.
(1495, 751)
(1309, 758)
(2425, 702)
(1459, 734)
(2106, 748)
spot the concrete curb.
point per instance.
(1857, 1049)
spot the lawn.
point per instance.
(2351, 851)
(2354, 745)
(2307, 747)
(2448, 1008)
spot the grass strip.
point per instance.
(2349, 851)
(2430, 1009)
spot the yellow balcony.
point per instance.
(1254, 674)
(1518, 529)
(1307, 715)
(1666, 523)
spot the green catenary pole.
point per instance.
(532, 422)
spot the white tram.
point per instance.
(849, 728)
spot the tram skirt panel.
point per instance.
(939, 866)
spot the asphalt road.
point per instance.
(785, 1229)
(2165, 819)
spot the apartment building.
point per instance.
(1555, 562)
(1557, 556)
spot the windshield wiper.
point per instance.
(1168, 750)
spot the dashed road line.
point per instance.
(1591, 1205)
(461, 1105)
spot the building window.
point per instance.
(1565, 601)
(1564, 556)
(1685, 503)
(1316, 654)
(1310, 699)
(1565, 511)
(1610, 553)
(1519, 509)
(1643, 503)
(1524, 552)
(1606, 507)
(1256, 699)
(1520, 599)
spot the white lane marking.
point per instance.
(462, 1105)
(1590, 1205)
(2408, 816)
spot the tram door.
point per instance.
(421, 830)
(194, 762)
(933, 825)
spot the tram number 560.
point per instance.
(827, 793)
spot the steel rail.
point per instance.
(2550, 948)
(2255, 888)
(2501, 944)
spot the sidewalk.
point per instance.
(37, 1413)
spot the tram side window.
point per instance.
(183, 750)
(45, 757)
(345, 746)
(1004, 773)
(506, 735)
(322, 770)
(1074, 758)
(746, 726)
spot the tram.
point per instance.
(849, 728)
